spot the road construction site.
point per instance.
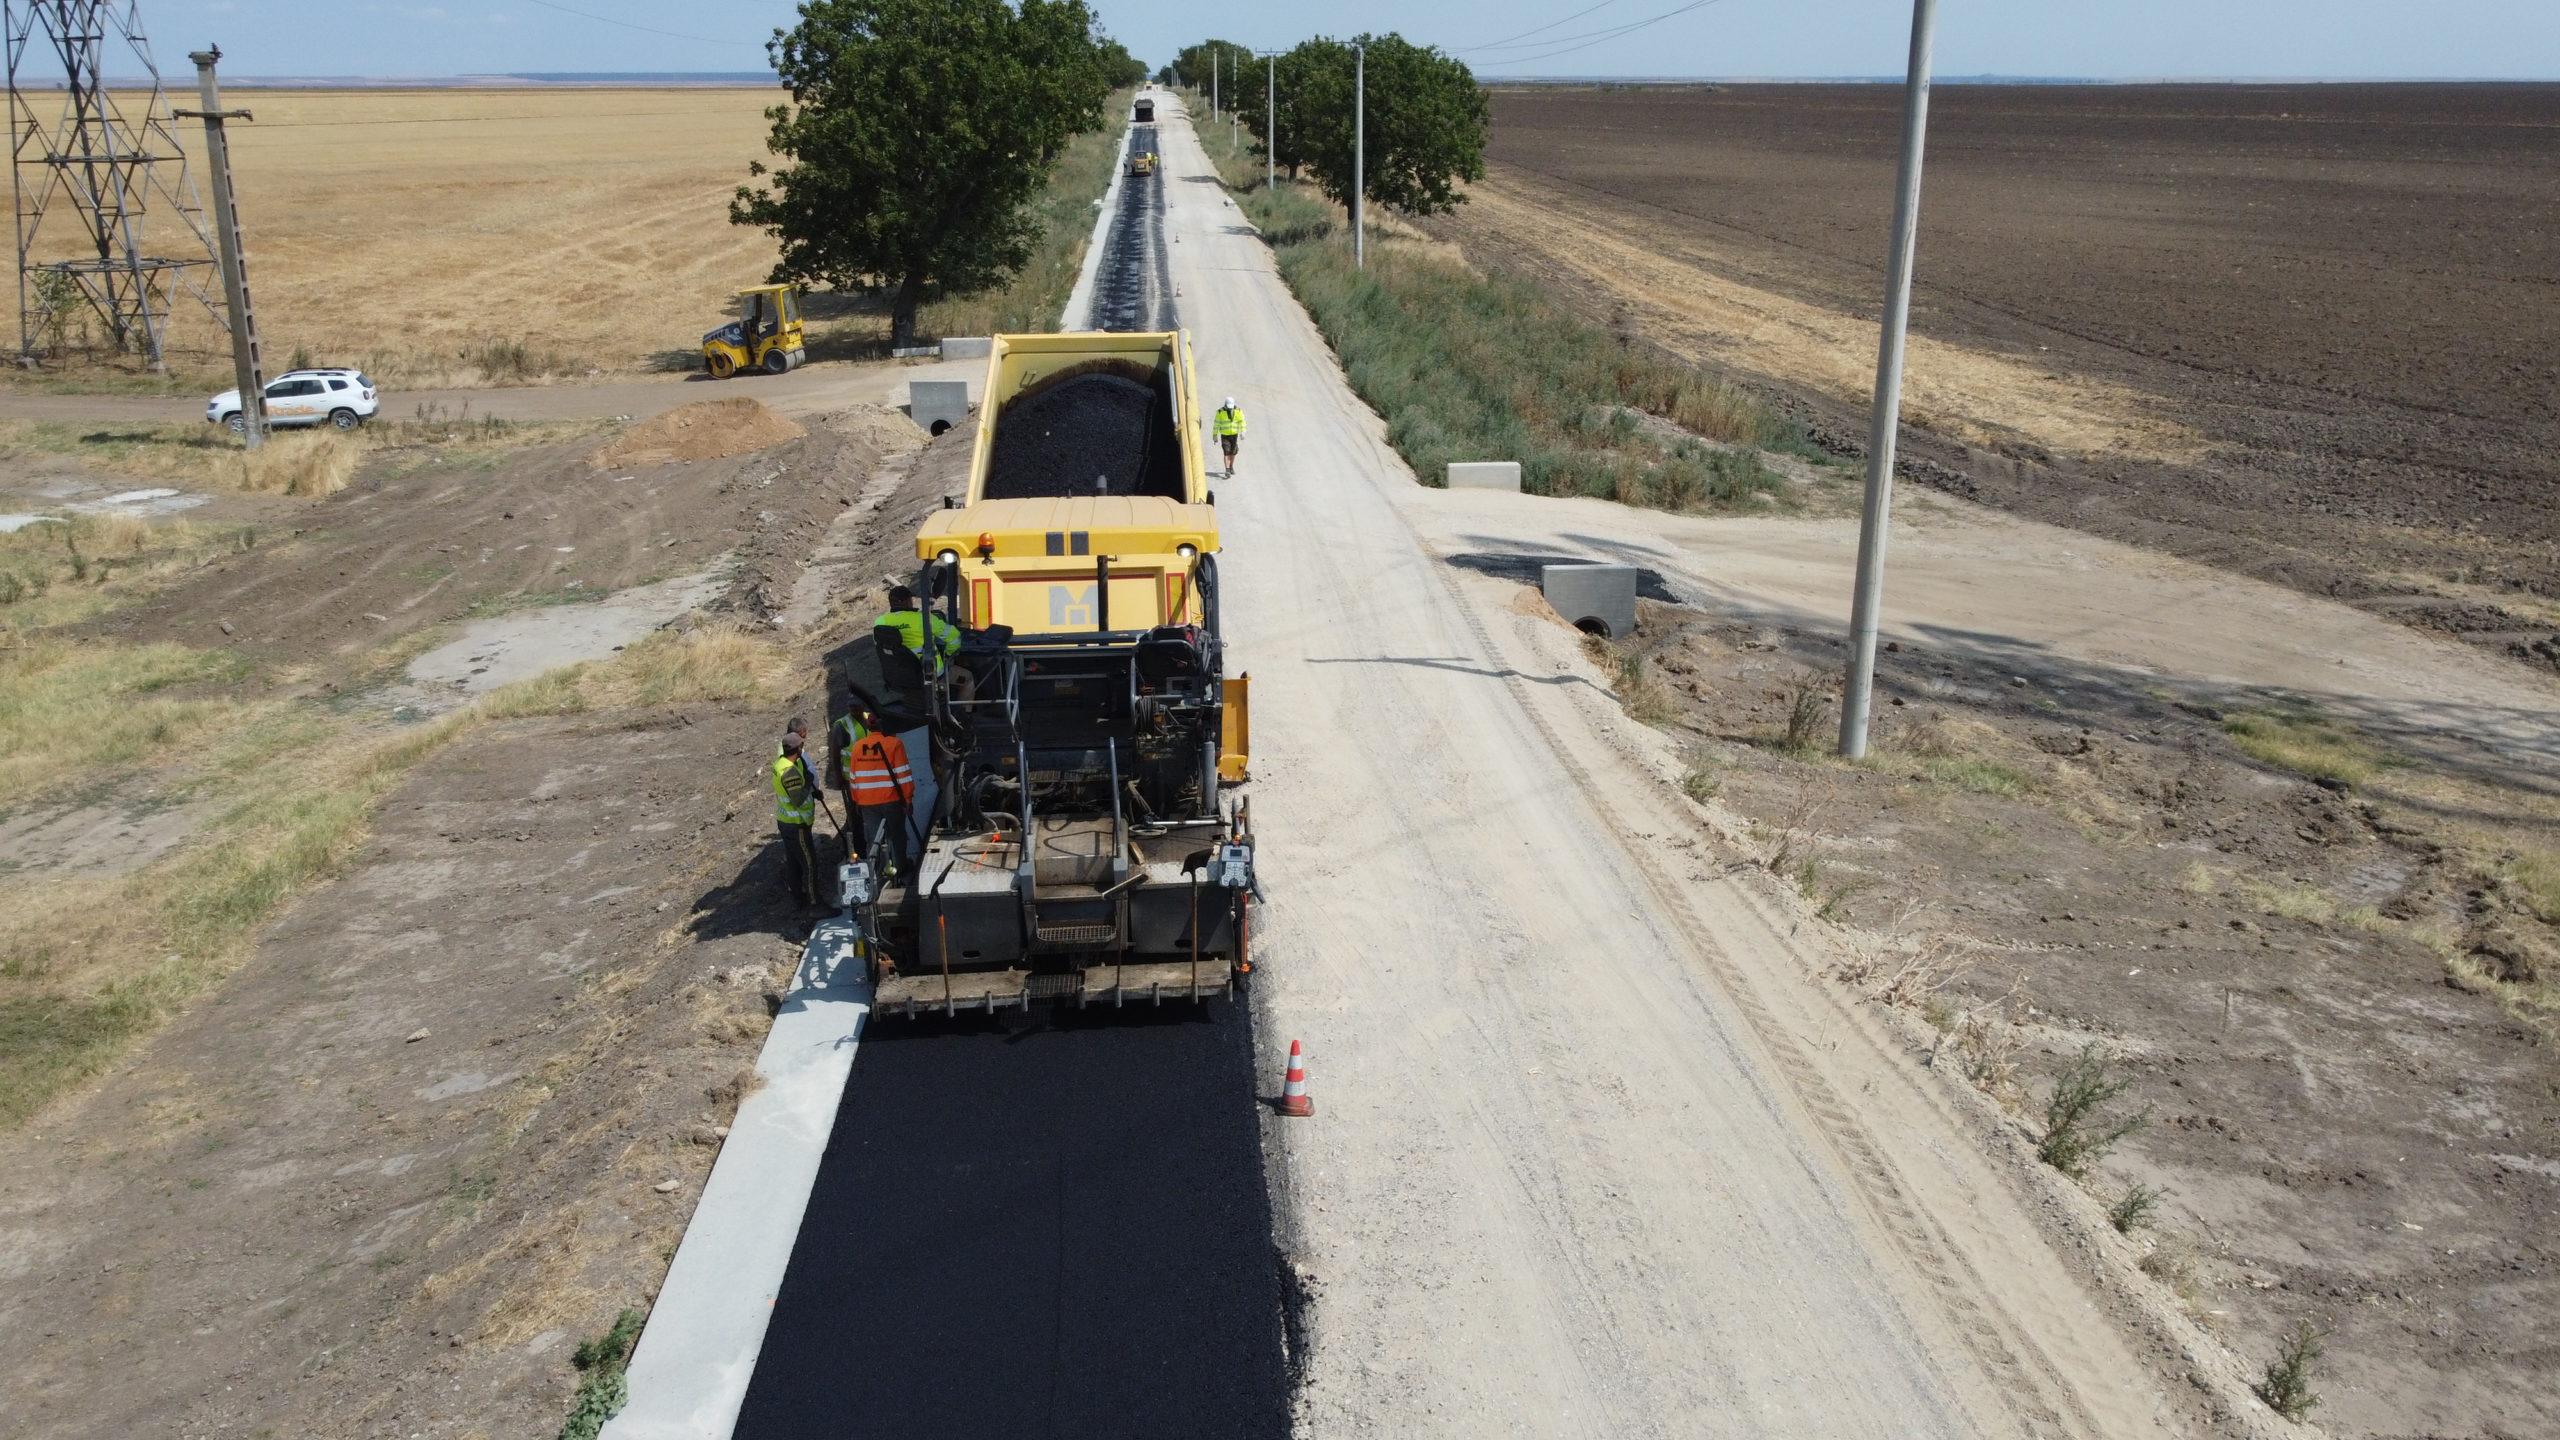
(1608, 1141)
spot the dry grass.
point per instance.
(78, 714)
(713, 663)
(88, 964)
(490, 236)
(309, 463)
(2304, 742)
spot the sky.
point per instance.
(2494, 39)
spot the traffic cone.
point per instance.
(1294, 1100)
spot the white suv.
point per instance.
(344, 398)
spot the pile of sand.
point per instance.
(704, 430)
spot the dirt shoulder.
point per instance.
(452, 1113)
(420, 540)
(2354, 1114)
(2125, 323)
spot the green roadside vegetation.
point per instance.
(1467, 365)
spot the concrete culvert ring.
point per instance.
(1594, 625)
(938, 427)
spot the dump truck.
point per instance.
(1085, 845)
(1145, 110)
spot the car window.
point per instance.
(287, 389)
(337, 384)
(363, 380)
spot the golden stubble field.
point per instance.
(414, 230)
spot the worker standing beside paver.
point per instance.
(795, 813)
(883, 789)
(1228, 422)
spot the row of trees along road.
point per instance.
(1427, 115)
(916, 133)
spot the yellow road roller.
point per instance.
(766, 335)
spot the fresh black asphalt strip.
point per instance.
(1054, 1231)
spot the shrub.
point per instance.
(2286, 1386)
(2075, 1137)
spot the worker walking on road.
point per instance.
(1229, 425)
(883, 788)
(795, 813)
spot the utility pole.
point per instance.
(1858, 691)
(1213, 82)
(1360, 156)
(1271, 120)
(245, 367)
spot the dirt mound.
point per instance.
(704, 430)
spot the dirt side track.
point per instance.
(2343, 291)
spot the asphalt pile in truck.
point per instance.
(1095, 431)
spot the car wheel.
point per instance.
(236, 423)
(345, 419)
(776, 360)
(722, 367)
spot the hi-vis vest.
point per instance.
(910, 627)
(1227, 422)
(795, 790)
(879, 771)
(848, 731)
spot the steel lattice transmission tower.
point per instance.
(89, 166)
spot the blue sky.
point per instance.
(2311, 38)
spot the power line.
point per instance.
(1590, 38)
(1505, 42)
(650, 29)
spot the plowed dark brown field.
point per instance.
(2350, 293)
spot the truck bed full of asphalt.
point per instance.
(1053, 1231)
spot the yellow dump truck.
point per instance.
(1083, 846)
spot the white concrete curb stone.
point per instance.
(689, 1373)
(1484, 475)
(968, 347)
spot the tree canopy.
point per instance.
(1193, 66)
(916, 132)
(1426, 121)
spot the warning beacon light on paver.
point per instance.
(1083, 844)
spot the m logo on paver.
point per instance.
(1071, 608)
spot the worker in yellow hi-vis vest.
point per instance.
(1229, 425)
(795, 813)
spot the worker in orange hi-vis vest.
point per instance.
(884, 791)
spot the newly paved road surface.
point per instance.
(1060, 1232)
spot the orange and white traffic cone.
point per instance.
(1294, 1100)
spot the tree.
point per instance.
(1195, 66)
(1426, 122)
(917, 130)
(1120, 69)
(1284, 137)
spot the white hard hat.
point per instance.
(1231, 402)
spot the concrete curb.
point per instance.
(1079, 312)
(689, 1374)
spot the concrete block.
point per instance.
(1597, 598)
(937, 405)
(1485, 475)
(968, 347)
(914, 352)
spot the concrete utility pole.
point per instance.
(246, 368)
(1360, 156)
(1858, 691)
(1270, 120)
(1213, 81)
